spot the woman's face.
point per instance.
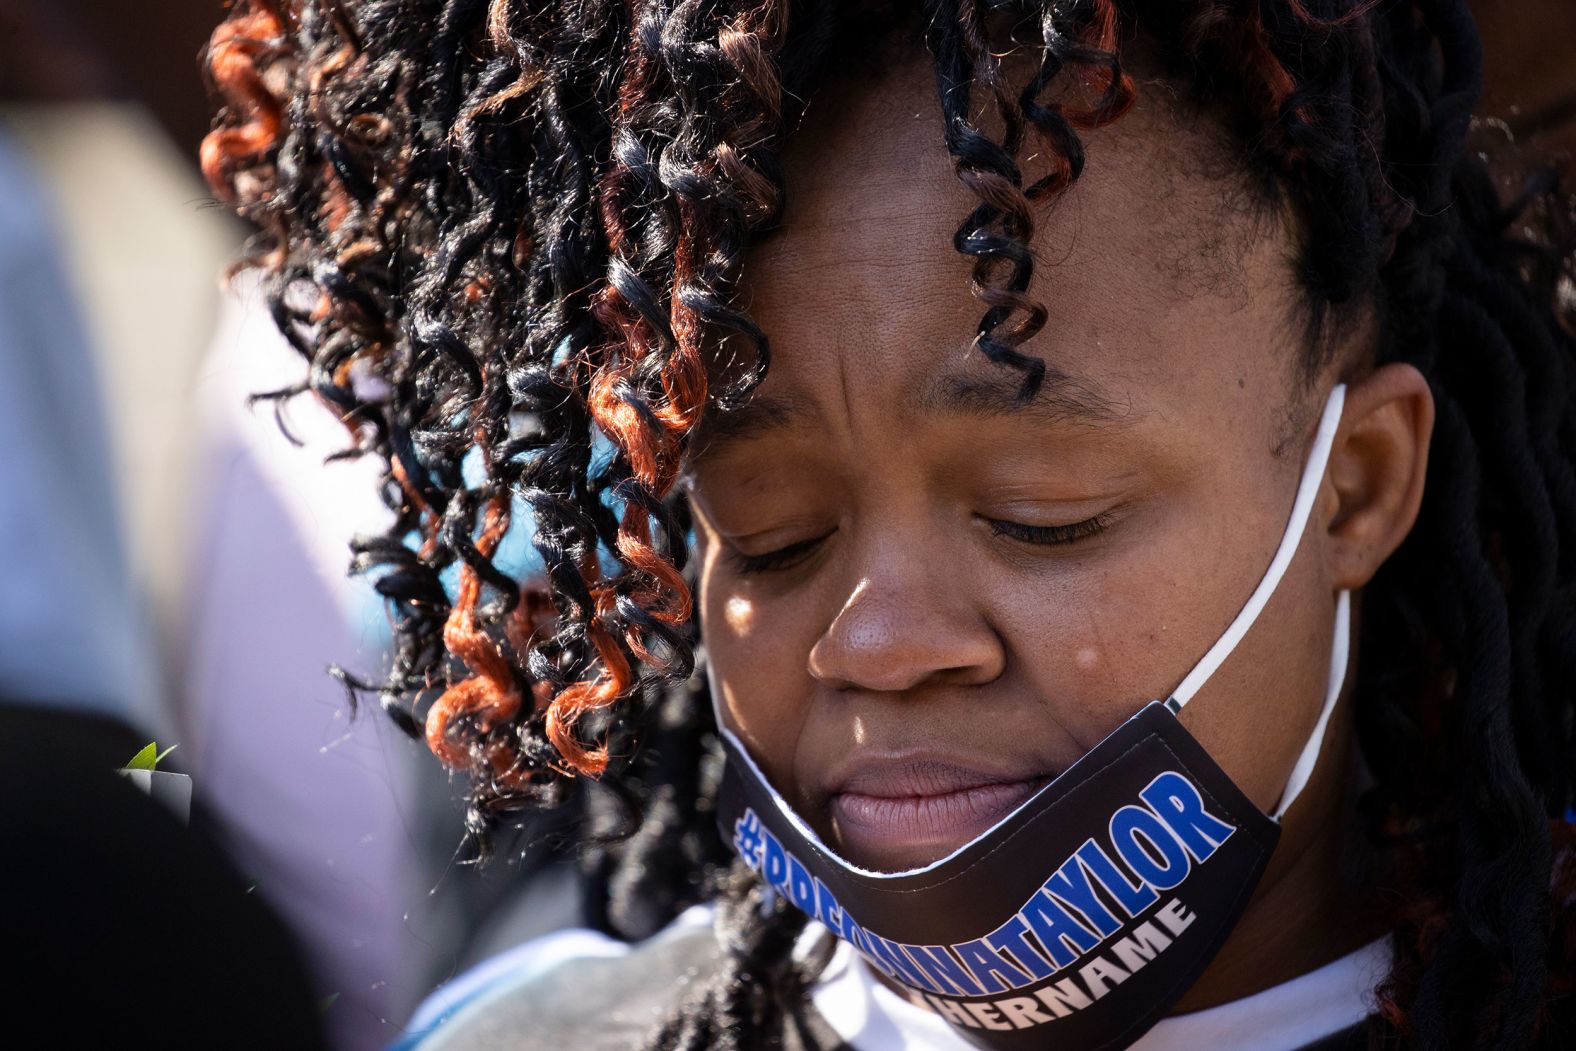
(920, 598)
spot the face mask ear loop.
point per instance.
(1339, 648)
(1307, 490)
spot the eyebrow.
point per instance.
(760, 415)
(1061, 398)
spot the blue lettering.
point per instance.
(1177, 802)
(981, 959)
(1131, 822)
(801, 888)
(903, 969)
(1071, 886)
(1064, 938)
(1133, 899)
(774, 862)
(826, 908)
(1008, 938)
(942, 969)
(853, 934)
(747, 839)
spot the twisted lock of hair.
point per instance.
(503, 237)
(999, 231)
(676, 205)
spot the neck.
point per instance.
(1305, 912)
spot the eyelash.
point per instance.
(782, 558)
(1048, 535)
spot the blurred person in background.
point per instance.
(101, 878)
(73, 626)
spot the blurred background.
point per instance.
(176, 561)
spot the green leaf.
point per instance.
(328, 1001)
(160, 757)
(146, 759)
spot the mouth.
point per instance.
(902, 814)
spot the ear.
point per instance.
(1377, 468)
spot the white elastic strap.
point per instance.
(1339, 649)
(1312, 478)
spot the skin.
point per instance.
(907, 632)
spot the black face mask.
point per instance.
(1078, 920)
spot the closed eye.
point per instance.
(782, 558)
(1048, 535)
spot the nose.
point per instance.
(903, 627)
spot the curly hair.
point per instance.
(505, 237)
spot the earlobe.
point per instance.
(1377, 470)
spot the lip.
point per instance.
(905, 811)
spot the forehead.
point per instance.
(1156, 267)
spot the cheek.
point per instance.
(756, 652)
(1096, 647)
(1098, 644)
